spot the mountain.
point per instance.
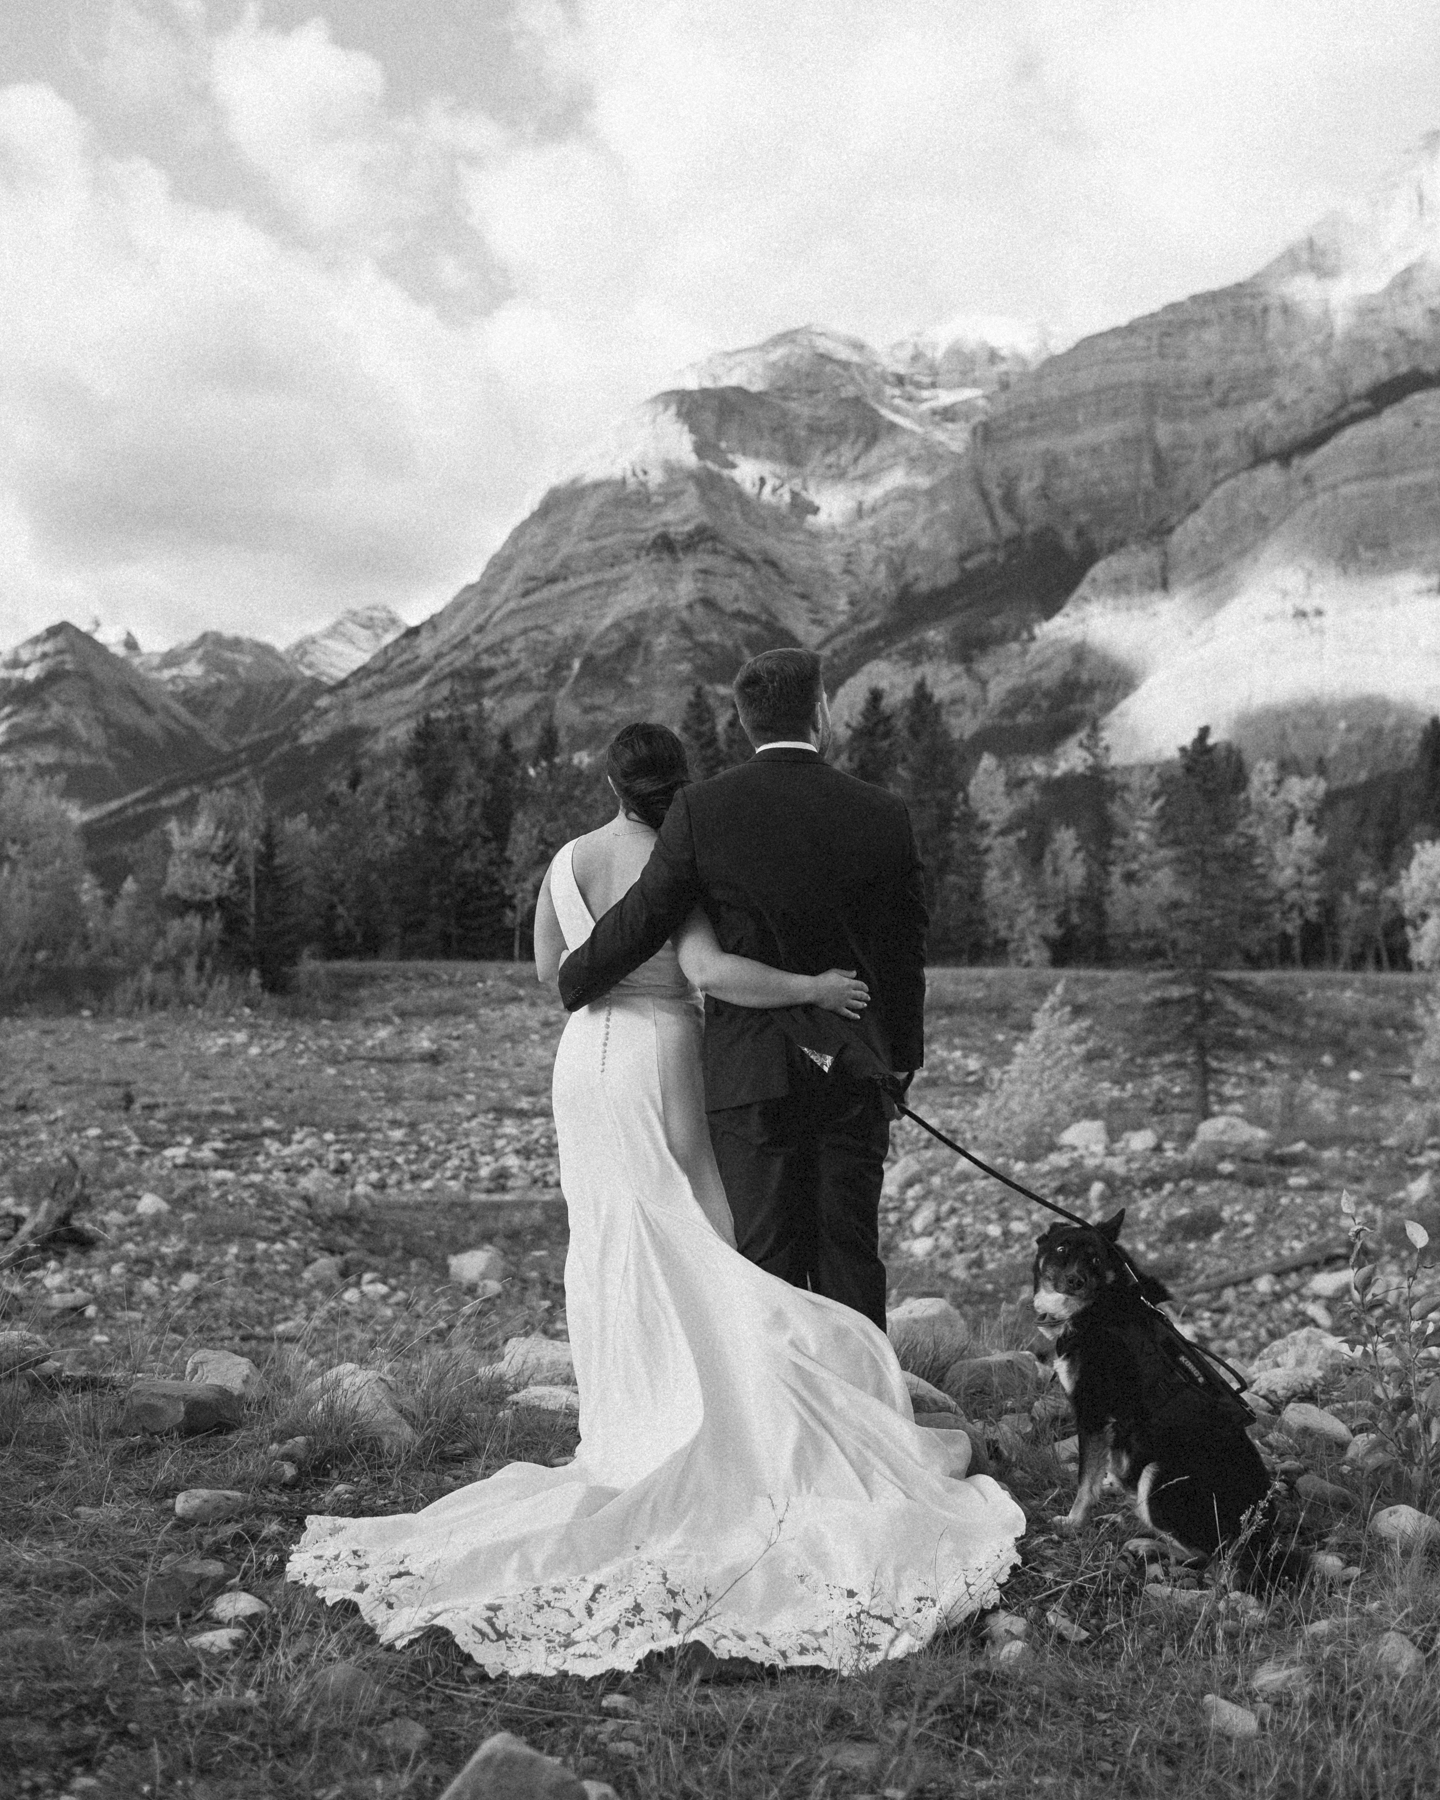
(72, 709)
(330, 655)
(237, 687)
(1222, 513)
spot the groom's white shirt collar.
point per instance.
(786, 744)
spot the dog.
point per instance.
(1178, 1447)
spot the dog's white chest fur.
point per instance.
(1065, 1373)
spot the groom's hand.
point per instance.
(895, 1086)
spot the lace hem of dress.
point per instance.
(587, 1623)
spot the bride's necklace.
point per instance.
(624, 827)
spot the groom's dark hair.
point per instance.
(776, 694)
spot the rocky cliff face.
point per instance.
(345, 644)
(71, 709)
(237, 687)
(1221, 513)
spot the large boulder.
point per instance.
(368, 1399)
(928, 1335)
(1299, 1365)
(537, 1362)
(1229, 1136)
(224, 1369)
(506, 1768)
(472, 1267)
(187, 1408)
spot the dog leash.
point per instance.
(1199, 1363)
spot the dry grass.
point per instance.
(94, 1702)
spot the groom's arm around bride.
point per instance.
(806, 869)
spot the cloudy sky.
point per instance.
(305, 302)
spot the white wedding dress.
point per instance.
(749, 1474)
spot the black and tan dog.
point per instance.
(1177, 1446)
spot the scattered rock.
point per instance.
(928, 1399)
(1298, 1365)
(471, 1267)
(325, 1271)
(206, 1506)
(1015, 1656)
(183, 1587)
(1141, 1142)
(229, 1609)
(1314, 1424)
(1394, 1655)
(21, 1350)
(1281, 1680)
(548, 1399)
(599, 1790)
(1067, 1450)
(1066, 1628)
(1322, 1630)
(1327, 1567)
(297, 1450)
(150, 1206)
(903, 1173)
(506, 1768)
(187, 1408)
(1230, 1720)
(1229, 1135)
(1405, 1527)
(368, 1398)
(928, 1333)
(537, 1361)
(224, 1369)
(66, 1300)
(1004, 1375)
(1368, 1451)
(403, 1738)
(345, 1688)
(622, 1705)
(1331, 1284)
(1002, 1627)
(222, 1642)
(1088, 1136)
(1320, 1496)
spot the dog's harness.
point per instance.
(1193, 1365)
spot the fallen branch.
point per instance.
(66, 1197)
(1285, 1265)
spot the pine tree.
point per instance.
(928, 775)
(1096, 831)
(1219, 909)
(735, 747)
(701, 739)
(547, 743)
(872, 752)
(274, 917)
(1425, 782)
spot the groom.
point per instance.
(805, 869)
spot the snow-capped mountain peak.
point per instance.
(344, 644)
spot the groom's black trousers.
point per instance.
(802, 1173)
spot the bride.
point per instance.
(749, 1474)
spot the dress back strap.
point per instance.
(570, 909)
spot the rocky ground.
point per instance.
(299, 1188)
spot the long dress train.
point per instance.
(749, 1474)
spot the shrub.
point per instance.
(1046, 1085)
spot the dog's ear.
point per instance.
(1110, 1228)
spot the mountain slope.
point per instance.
(71, 709)
(237, 687)
(345, 643)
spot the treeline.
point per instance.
(436, 846)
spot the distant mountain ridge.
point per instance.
(106, 718)
(1226, 512)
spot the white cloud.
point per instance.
(344, 373)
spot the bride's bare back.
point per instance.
(608, 862)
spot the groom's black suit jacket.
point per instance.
(797, 866)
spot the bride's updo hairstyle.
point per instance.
(647, 767)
